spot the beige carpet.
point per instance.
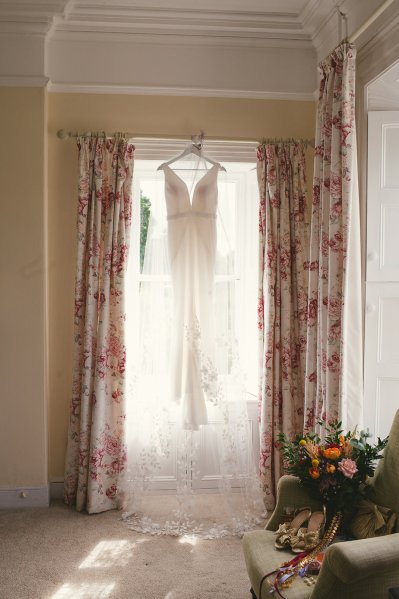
(57, 553)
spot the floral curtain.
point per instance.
(96, 452)
(333, 387)
(282, 308)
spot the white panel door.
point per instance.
(383, 197)
(381, 376)
(381, 360)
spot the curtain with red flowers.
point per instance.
(282, 308)
(333, 386)
(96, 452)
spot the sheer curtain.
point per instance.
(168, 454)
(282, 308)
(334, 336)
(96, 451)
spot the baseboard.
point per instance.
(24, 497)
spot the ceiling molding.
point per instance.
(387, 34)
(314, 16)
(143, 46)
(26, 8)
(33, 27)
(95, 35)
(102, 88)
(210, 23)
(30, 18)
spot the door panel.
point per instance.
(383, 197)
(381, 378)
(381, 358)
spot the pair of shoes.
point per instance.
(307, 538)
(289, 530)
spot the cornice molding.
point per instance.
(159, 38)
(28, 30)
(314, 16)
(103, 88)
(31, 18)
(37, 27)
(210, 23)
(386, 35)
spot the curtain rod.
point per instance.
(358, 32)
(63, 134)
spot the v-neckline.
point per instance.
(184, 184)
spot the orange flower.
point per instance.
(330, 468)
(332, 453)
(342, 441)
(314, 472)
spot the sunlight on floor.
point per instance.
(85, 590)
(107, 554)
(189, 540)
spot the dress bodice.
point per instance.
(204, 201)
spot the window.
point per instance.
(237, 257)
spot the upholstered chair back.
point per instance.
(386, 477)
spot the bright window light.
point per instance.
(85, 590)
(107, 554)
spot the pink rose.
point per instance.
(347, 467)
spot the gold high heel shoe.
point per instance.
(288, 530)
(307, 538)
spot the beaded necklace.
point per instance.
(288, 571)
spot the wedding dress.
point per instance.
(187, 422)
(192, 252)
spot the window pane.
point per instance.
(226, 228)
(153, 229)
(145, 211)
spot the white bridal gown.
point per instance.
(187, 361)
(192, 254)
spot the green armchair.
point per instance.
(364, 569)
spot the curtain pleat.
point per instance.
(96, 450)
(282, 307)
(331, 353)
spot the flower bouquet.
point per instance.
(336, 469)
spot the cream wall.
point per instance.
(150, 115)
(23, 417)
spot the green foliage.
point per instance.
(336, 469)
(145, 212)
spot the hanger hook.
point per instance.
(198, 140)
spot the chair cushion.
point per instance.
(261, 557)
(386, 477)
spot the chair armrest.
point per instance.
(352, 561)
(290, 494)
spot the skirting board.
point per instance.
(24, 497)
